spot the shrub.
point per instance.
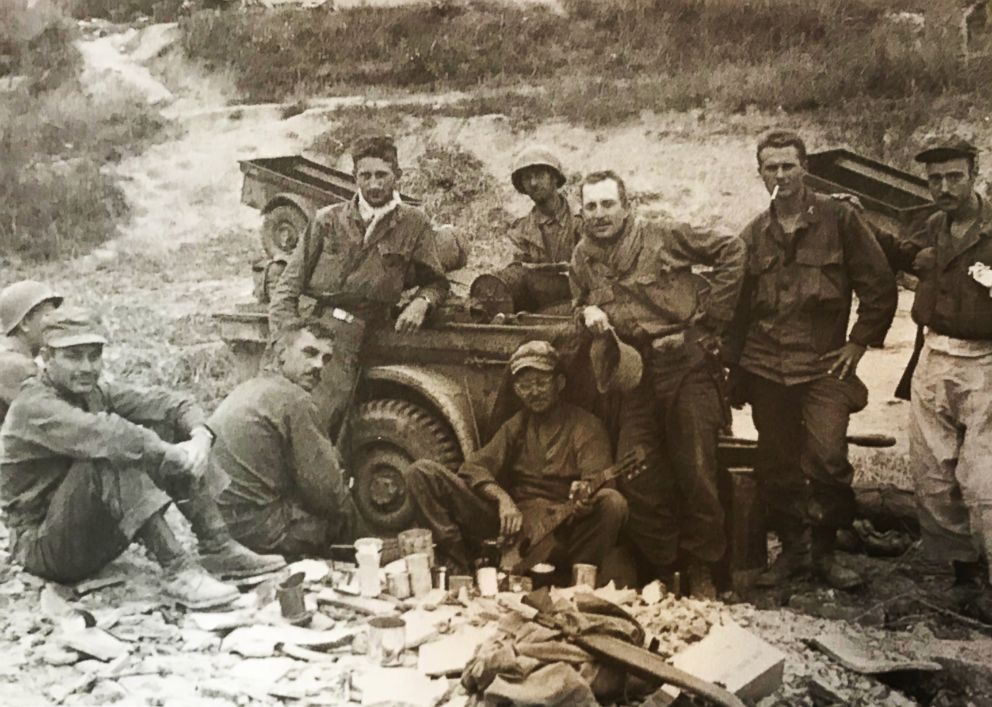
(55, 199)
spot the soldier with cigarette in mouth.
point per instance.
(796, 363)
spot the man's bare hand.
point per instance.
(511, 520)
(595, 320)
(176, 461)
(847, 360)
(849, 199)
(413, 316)
(198, 450)
(925, 260)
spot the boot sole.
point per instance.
(205, 604)
(246, 573)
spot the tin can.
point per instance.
(419, 567)
(398, 584)
(542, 575)
(417, 540)
(488, 580)
(457, 581)
(583, 574)
(441, 577)
(387, 640)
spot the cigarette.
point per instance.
(775, 192)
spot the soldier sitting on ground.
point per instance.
(287, 492)
(82, 475)
(24, 307)
(538, 459)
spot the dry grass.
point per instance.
(56, 201)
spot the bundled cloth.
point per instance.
(532, 661)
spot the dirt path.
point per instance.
(186, 252)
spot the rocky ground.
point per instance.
(186, 254)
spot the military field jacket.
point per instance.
(645, 281)
(270, 444)
(948, 300)
(46, 430)
(537, 238)
(333, 263)
(798, 291)
(517, 460)
(16, 365)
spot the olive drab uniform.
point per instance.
(536, 473)
(538, 238)
(794, 310)
(354, 280)
(645, 284)
(80, 475)
(287, 491)
(16, 365)
(950, 437)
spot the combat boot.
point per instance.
(190, 585)
(701, 583)
(825, 564)
(232, 560)
(792, 561)
(220, 554)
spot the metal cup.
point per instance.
(457, 581)
(387, 640)
(417, 540)
(420, 573)
(398, 584)
(542, 575)
(584, 574)
(290, 595)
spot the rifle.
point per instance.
(537, 535)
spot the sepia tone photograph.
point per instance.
(495, 353)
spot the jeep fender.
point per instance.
(290, 199)
(448, 398)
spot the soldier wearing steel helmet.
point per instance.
(544, 237)
(24, 307)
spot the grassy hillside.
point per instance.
(56, 199)
(605, 62)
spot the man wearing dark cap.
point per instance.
(24, 308)
(355, 260)
(537, 460)
(542, 240)
(950, 442)
(796, 361)
(288, 493)
(82, 475)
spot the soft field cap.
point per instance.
(74, 326)
(534, 354)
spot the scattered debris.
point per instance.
(735, 658)
(866, 655)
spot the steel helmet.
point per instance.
(533, 156)
(17, 300)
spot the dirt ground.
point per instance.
(186, 252)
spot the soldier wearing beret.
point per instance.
(950, 439)
(537, 460)
(82, 474)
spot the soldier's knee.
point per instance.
(611, 504)
(423, 473)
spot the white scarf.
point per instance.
(372, 215)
